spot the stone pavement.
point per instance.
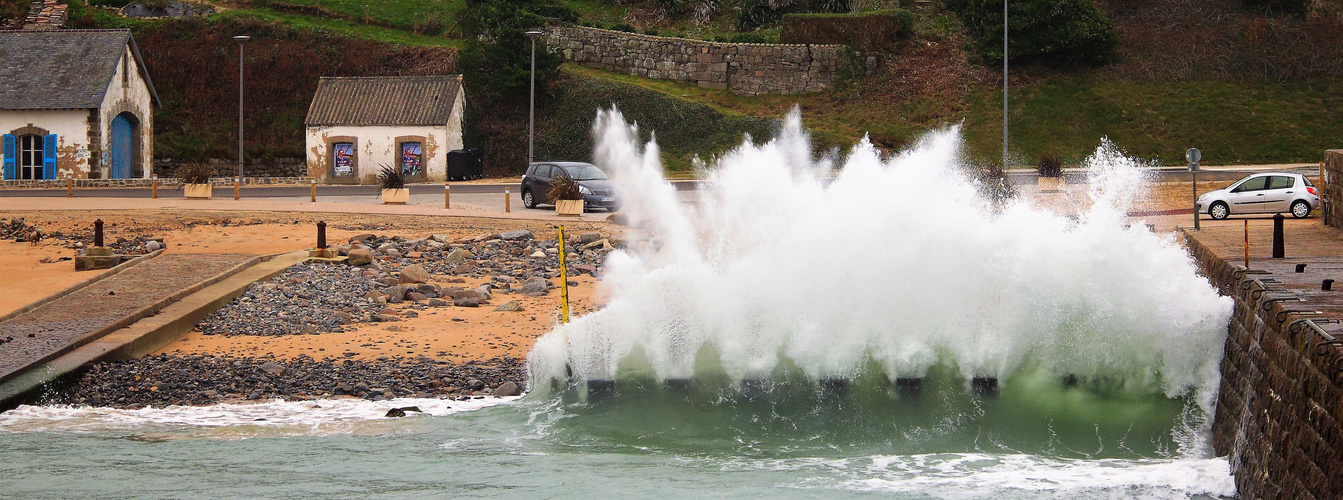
(77, 318)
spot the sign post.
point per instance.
(1193, 155)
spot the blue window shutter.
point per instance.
(11, 153)
(49, 157)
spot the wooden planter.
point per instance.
(568, 207)
(395, 196)
(1049, 184)
(197, 191)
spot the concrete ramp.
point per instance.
(123, 314)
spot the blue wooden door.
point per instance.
(121, 147)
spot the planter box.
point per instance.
(198, 191)
(1049, 184)
(395, 196)
(569, 207)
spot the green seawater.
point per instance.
(702, 438)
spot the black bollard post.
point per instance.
(321, 235)
(1278, 244)
(98, 233)
(1327, 285)
(1300, 268)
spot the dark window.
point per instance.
(30, 157)
(1281, 182)
(1255, 184)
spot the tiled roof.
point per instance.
(60, 69)
(384, 100)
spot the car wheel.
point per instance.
(1300, 209)
(1219, 211)
(527, 200)
(613, 208)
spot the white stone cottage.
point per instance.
(75, 104)
(355, 126)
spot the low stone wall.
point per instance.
(280, 167)
(1281, 396)
(1332, 167)
(743, 68)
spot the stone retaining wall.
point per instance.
(1332, 167)
(743, 68)
(1281, 396)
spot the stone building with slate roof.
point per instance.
(75, 104)
(357, 125)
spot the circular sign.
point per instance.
(1193, 155)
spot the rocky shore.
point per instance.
(164, 380)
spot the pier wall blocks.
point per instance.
(743, 68)
(1281, 397)
(1332, 171)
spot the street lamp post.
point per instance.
(531, 112)
(1004, 87)
(240, 39)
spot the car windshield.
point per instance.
(585, 173)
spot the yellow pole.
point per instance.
(69, 187)
(154, 190)
(508, 200)
(1247, 243)
(447, 197)
(564, 279)
(236, 183)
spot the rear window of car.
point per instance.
(1281, 182)
(1307, 179)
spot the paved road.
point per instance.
(39, 335)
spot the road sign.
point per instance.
(1193, 155)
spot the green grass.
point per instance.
(371, 32)
(1231, 122)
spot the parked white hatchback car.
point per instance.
(1264, 193)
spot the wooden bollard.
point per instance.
(321, 235)
(237, 183)
(447, 197)
(1247, 243)
(69, 187)
(508, 201)
(154, 187)
(314, 195)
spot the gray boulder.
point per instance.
(360, 257)
(466, 302)
(414, 274)
(507, 389)
(457, 256)
(522, 234)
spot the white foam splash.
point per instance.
(893, 259)
(274, 418)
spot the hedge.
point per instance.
(866, 31)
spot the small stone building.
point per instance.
(355, 126)
(75, 104)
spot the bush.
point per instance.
(1060, 32)
(565, 188)
(756, 37)
(1049, 166)
(757, 13)
(624, 27)
(868, 31)
(390, 177)
(496, 60)
(194, 173)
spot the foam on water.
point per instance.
(898, 260)
(276, 418)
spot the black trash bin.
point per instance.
(466, 164)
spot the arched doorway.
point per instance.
(122, 148)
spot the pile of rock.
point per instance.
(164, 380)
(304, 299)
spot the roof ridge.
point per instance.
(388, 77)
(82, 30)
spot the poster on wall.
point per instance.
(343, 163)
(411, 164)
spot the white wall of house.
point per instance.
(71, 127)
(128, 92)
(378, 145)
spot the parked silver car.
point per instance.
(1264, 193)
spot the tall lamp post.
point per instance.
(531, 112)
(240, 39)
(1004, 87)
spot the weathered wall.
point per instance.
(1332, 167)
(1281, 397)
(377, 145)
(71, 128)
(276, 168)
(744, 68)
(128, 92)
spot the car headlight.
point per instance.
(584, 190)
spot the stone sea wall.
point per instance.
(1281, 397)
(1333, 187)
(743, 68)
